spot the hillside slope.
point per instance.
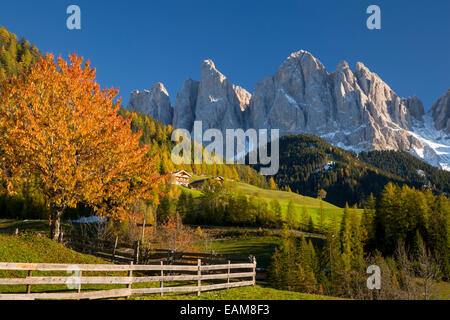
(301, 202)
(30, 247)
(309, 163)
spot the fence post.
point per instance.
(30, 273)
(79, 284)
(199, 274)
(254, 270)
(130, 275)
(114, 250)
(228, 275)
(162, 278)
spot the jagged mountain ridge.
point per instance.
(352, 109)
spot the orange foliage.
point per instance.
(173, 235)
(58, 125)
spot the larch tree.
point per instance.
(272, 184)
(291, 215)
(58, 126)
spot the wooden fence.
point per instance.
(115, 251)
(121, 252)
(234, 275)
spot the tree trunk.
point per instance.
(56, 213)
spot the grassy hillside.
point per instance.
(36, 248)
(300, 201)
(311, 204)
(258, 292)
(260, 247)
(31, 247)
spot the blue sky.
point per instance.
(136, 43)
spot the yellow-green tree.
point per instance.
(291, 215)
(272, 184)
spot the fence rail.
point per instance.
(234, 276)
(121, 252)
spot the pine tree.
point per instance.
(276, 209)
(368, 221)
(345, 237)
(311, 227)
(321, 217)
(308, 263)
(291, 215)
(283, 272)
(357, 259)
(304, 219)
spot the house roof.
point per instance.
(181, 172)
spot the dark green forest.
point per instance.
(405, 233)
(309, 164)
(417, 172)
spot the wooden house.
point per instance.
(181, 177)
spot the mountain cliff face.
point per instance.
(184, 114)
(352, 109)
(213, 100)
(441, 112)
(155, 102)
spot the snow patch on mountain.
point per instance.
(436, 150)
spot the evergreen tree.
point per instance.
(304, 219)
(276, 209)
(345, 237)
(291, 215)
(357, 259)
(311, 227)
(321, 217)
(368, 222)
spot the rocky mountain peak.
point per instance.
(209, 71)
(343, 65)
(415, 107)
(441, 112)
(243, 96)
(155, 102)
(159, 88)
(304, 62)
(354, 110)
(184, 112)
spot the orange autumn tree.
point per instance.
(56, 124)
